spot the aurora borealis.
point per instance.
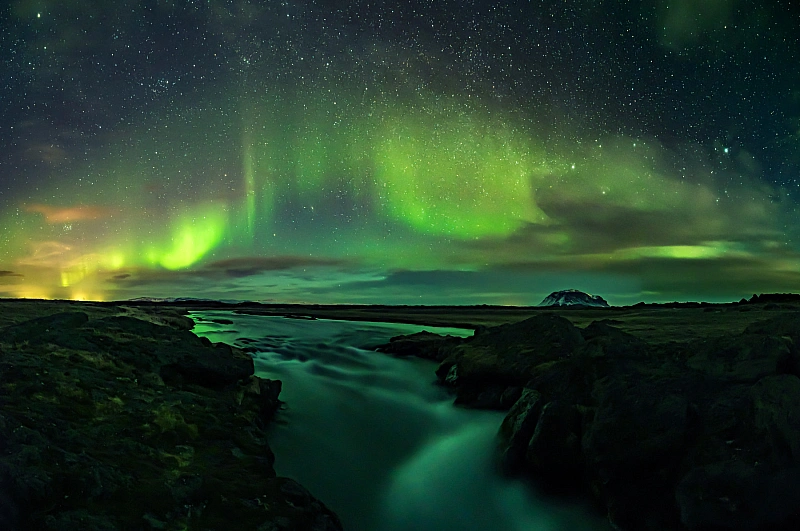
(429, 152)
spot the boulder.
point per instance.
(543, 337)
(423, 344)
(216, 367)
(604, 340)
(721, 424)
(494, 363)
(776, 417)
(742, 358)
(517, 429)
(261, 395)
(570, 380)
(739, 496)
(638, 431)
(305, 508)
(554, 451)
(787, 327)
(490, 396)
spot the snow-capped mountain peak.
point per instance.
(573, 297)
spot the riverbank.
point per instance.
(672, 417)
(374, 437)
(120, 418)
(680, 419)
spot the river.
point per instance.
(376, 440)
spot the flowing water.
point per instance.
(376, 440)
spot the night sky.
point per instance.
(414, 152)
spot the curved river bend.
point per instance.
(374, 438)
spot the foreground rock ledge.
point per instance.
(112, 422)
(701, 435)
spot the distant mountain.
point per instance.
(573, 297)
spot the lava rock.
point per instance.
(484, 368)
(739, 496)
(423, 344)
(743, 358)
(554, 450)
(517, 429)
(681, 434)
(112, 422)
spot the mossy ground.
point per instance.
(91, 437)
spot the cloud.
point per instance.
(285, 280)
(626, 198)
(47, 253)
(692, 274)
(254, 265)
(167, 278)
(228, 272)
(5, 274)
(724, 278)
(68, 214)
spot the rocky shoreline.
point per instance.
(120, 418)
(687, 433)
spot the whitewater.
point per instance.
(376, 439)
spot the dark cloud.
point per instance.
(222, 271)
(254, 265)
(147, 277)
(595, 227)
(725, 279)
(9, 274)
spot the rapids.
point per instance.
(376, 440)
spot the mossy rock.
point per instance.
(92, 437)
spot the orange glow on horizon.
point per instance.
(68, 214)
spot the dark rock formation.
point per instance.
(702, 434)
(421, 345)
(517, 430)
(489, 369)
(773, 298)
(554, 450)
(111, 422)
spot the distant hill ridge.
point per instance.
(773, 297)
(182, 299)
(573, 297)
